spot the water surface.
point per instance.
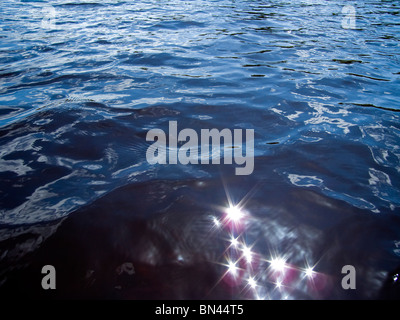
(82, 82)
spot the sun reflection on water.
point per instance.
(257, 275)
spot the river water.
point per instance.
(82, 83)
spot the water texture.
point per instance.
(81, 84)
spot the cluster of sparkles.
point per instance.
(252, 273)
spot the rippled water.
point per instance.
(82, 82)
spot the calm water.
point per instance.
(82, 82)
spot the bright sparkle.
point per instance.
(234, 214)
(217, 223)
(247, 254)
(234, 242)
(252, 283)
(278, 284)
(309, 272)
(278, 264)
(232, 268)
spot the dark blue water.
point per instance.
(81, 84)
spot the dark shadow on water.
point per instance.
(158, 240)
